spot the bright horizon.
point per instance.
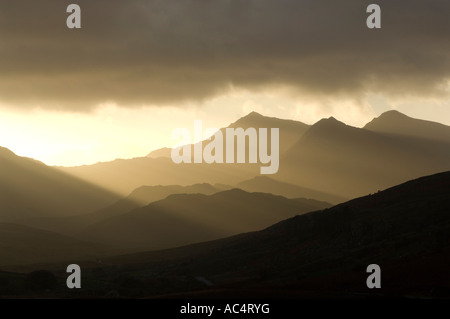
(111, 132)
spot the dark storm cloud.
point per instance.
(157, 52)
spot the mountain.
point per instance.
(145, 195)
(25, 245)
(290, 131)
(328, 157)
(394, 122)
(349, 162)
(264, 184)
(140, 197)
(123, 176)
(324, 254)
(404, 229)
(29, 189)
(188, 218)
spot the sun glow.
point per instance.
(111, 132)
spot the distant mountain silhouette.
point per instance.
(145, 195)
(189, 218)
(223, 187)
(329, 157)
(266, 184)
(140, 197)
(405, 229)
(290, 131)
(347, 161)
(74, 224)
(25, 245)
(394, 122)
(123, 176)
(29, 188)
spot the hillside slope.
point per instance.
(29, 189)
(188, 218)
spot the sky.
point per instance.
(117, 87)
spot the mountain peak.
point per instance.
(6, 151)
(251, 119)
(255, 119)
(329, 122)
(393, 114)
(253, 114)
(394, 122)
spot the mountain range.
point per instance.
(244, 229)
(188, 218)
(396, 123)
(321, 254)
(349, 162)
(140, 197)
(404, 229)
(328, 157)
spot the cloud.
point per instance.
(163, 52)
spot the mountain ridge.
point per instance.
(394, 122)
(327, 252)
(188, 218)
(350, 161)
(29, 188)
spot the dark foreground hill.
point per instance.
(404, 229)
(266, 184)
(25, 245)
